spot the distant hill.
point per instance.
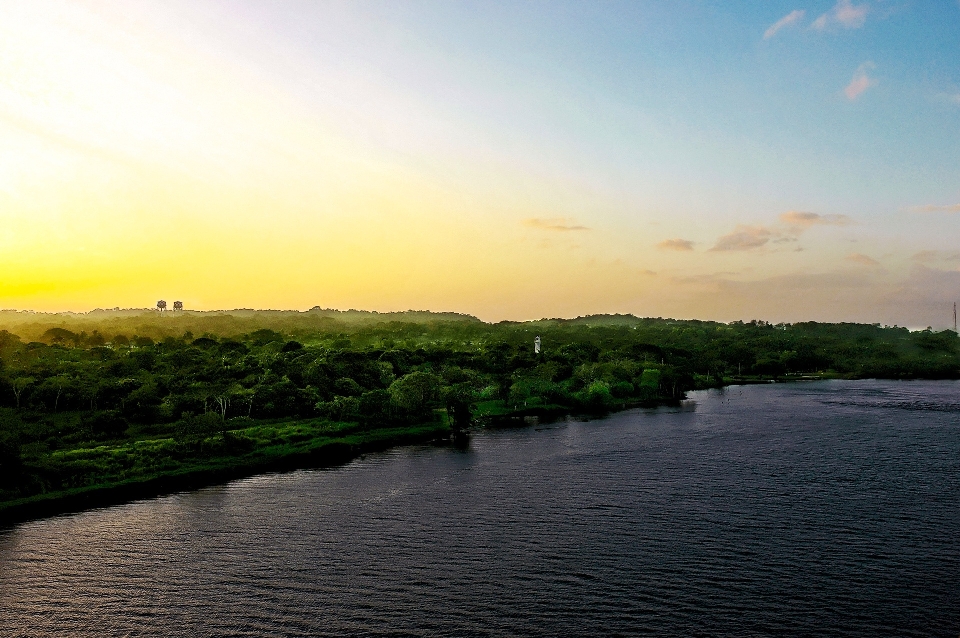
(31, 326)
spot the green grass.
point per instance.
(103, 474)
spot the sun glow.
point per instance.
(347, 156)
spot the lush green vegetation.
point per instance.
(114, 398)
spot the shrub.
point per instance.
(622, 389)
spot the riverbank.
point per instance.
(342, 443)
(122, 472)
(148, 467)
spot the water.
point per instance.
(828, 508)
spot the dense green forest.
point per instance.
(109, 397)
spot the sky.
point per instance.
(714, 159)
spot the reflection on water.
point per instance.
(827, 508)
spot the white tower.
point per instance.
(536, 345)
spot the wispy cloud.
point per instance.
(562, 224)
(844, 14)
(863, 260)
(951, 97)
(787, 20)
(927, 256)
(744, 238)
(933, 208)
(849, 15)
(860, 82)
(793, 223)
(799, 221)
(676, 244)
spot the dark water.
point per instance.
(829, 508)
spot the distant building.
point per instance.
(536, 345)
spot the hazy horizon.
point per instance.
(173, 314)
(784, 161)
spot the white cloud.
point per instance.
(563, 224)
(785, 21)
(927, 256)
(858, 85)
(676, 244)
(820, 23)
(951, 97)
(744, 238)
(933, 208)
(860, 82)
(793, 223)
(844, 14)
(850, 16)
(801, 220)
(863, 260)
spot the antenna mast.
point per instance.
(954, 316)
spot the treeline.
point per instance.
(85, 381)
(96, 324)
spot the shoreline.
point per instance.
(331, 453)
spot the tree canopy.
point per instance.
(195, 377)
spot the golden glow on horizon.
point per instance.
(131, 170)
(142, 161)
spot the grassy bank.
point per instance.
(96, 475)
(100, 474)
(111, 474)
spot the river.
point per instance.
(826, 508)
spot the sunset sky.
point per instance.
(722, 160)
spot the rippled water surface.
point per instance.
(828, 508)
